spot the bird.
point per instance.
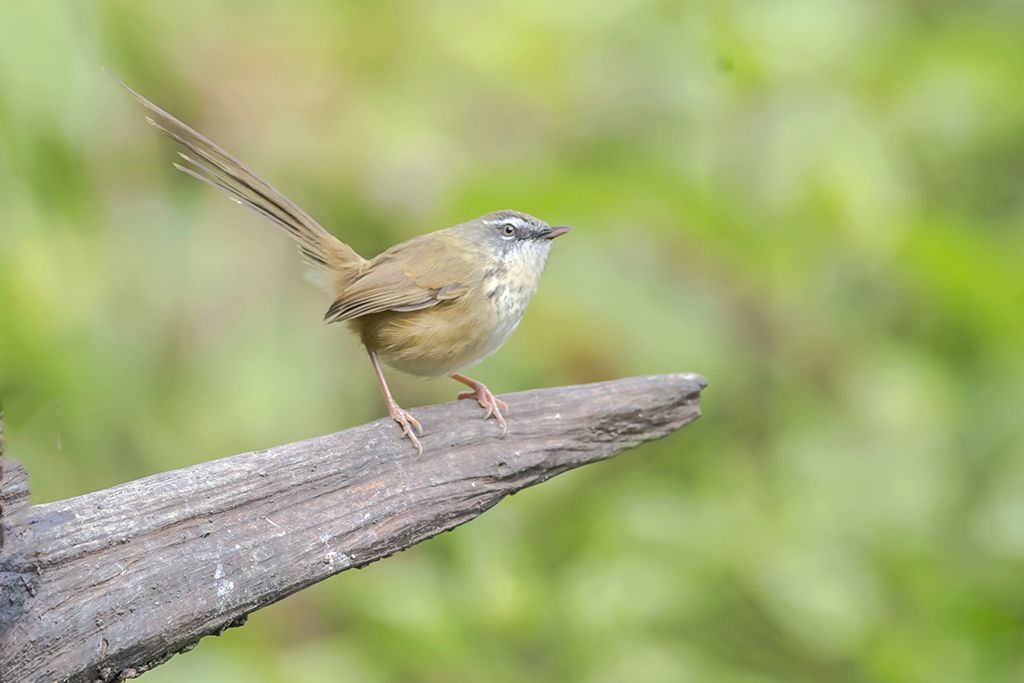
(430, 306)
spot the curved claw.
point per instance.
(409, 424)
(495, 406)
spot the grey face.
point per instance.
(513, 232)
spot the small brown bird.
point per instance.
(429, 306)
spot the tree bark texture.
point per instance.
(106, 585)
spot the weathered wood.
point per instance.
(112, 583)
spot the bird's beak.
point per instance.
(552, 233)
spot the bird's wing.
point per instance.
(420, 273)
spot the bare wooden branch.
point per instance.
(107, 585)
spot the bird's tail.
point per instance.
(206, 161)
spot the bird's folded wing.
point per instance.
(408, 277)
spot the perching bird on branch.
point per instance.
(430, 306)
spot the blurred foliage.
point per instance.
(818, 205)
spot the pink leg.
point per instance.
(483, 396)
(403, 417)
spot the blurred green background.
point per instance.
(818, 205)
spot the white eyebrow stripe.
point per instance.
(515, 220)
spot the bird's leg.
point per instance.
(403, 417)
(483, 396)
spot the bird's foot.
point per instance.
(409, 424)
(495, 406)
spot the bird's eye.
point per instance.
(508, 230)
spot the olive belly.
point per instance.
(440, 340)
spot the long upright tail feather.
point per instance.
(208, 162)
